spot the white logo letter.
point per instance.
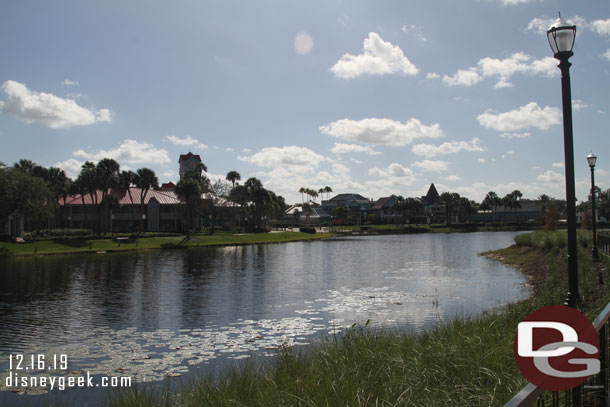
(525, 338)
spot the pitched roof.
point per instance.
(381, 202)
(122, 194)
(348, 197)
(432, 192)
(184, 157)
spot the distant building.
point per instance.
(188, 162)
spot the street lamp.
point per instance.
(561, 37)
(591, 159)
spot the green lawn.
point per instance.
(82, 245)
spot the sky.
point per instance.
(369, 97)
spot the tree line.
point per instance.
(34, 192)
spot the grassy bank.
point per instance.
(468, 362)
(57, 246)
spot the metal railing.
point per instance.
(603, 242)
(593, 392)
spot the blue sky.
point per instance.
(363, 96)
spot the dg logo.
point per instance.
(556, 348)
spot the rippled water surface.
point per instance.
(158, 314)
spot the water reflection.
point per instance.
(155, 313)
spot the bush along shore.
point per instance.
(123, 242)
(466, 362)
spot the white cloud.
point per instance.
(379, 58)
(515, 2)
(463, 77)
(453, 178)
(392, 176)
(430, 165)
(558, 165)
(550, 177)
(246, 150)
(48, 109)
(506, 154)
(381, 131)
(68, 82)
(602, 27)
(229, 149)
(450, 147)
(186, 141)
(341, 148)
(530, 115)
(503, 70)
(71, 167)
(432, 75)
(607, 55)
(415, 30)
(130, 151)
(515, 135)
(578, 104)
(287, 156)
(481, 160)
(540, 25)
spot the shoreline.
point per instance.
(61, 246)
(109, 245)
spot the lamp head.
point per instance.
(591, 159)
(561, 36)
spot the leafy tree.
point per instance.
(219, 200)
(341, 212)
(24, 194)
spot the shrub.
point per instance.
(307, 230)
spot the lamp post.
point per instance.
(592, 160)
(561, 38)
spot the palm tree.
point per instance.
(88, 184)
(307, 211)
(107, 176)
(313, 194)
(450, 200)
(126, 180)
(188, 188)
(328, 190)
(259, 196)
(145, 180)
(492, 200)
(233, 176)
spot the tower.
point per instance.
(188, 162)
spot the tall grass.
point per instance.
(556, 239)
(467, 362)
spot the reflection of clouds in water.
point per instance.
(152, 356)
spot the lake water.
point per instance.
(154, 314)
